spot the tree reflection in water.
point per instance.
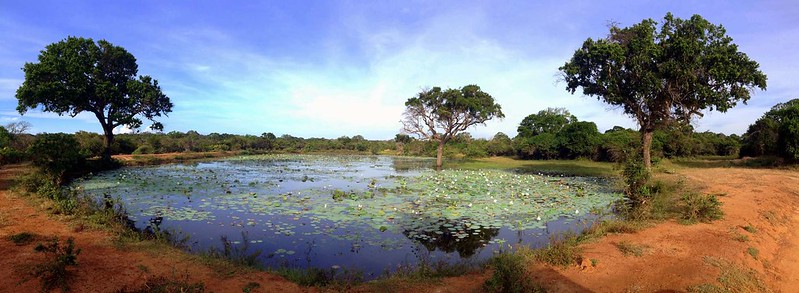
(449, 236)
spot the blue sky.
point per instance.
(334, 68)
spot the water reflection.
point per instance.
(449, 236)
(403, 165)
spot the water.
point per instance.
(371, 214)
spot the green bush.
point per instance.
(636, 177)
(144, 149)
(9, 156)
(702, 208)
(56, 154)
(510, 275)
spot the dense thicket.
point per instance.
(774, 134)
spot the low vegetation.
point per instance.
(22, 238)
(53, 271)
(633, 249)
(509, 273)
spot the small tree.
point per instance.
(78, 75)
(661, 76)
(439, 115)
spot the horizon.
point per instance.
(288, 68)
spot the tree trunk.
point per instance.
(439, 154)
(647, 148)
(109, 140)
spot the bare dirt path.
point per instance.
(676, 257)
(102, 266)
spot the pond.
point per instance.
(371, 214)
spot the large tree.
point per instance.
(78, 75)
(661, 76)
(439, 115)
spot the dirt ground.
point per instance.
(675, 256)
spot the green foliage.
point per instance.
(144, 149)
(9, 155)
(77, 75)
(659, 76)
(53, 271)
(636, 177)
(775, 134)
(578, 140)
(703, 208)
(5, 137)
(500, 145)
(616, 143)
(510, 274)
(55, 155)
(551, 120)
(561, 251)
(749, 228)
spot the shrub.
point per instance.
(56, 154)
(10, 156)
(636, 177)
(53, 271)
(510, 275)
(702, 208)
(144, 149)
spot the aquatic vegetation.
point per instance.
(350, 206)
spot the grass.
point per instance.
(749, 228)
(732, 278)
(22, 238)
(754, 252)
(550, 167)
(510, 274)
(727, 162)
(163, 284)
(703, 208)
(741, 237)
(561, 251)
(628, 248)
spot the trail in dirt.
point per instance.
(102, 267)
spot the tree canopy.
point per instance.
(776, 133)
(551, 120)
(78, 75)
(439, 115)
(660, 76)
